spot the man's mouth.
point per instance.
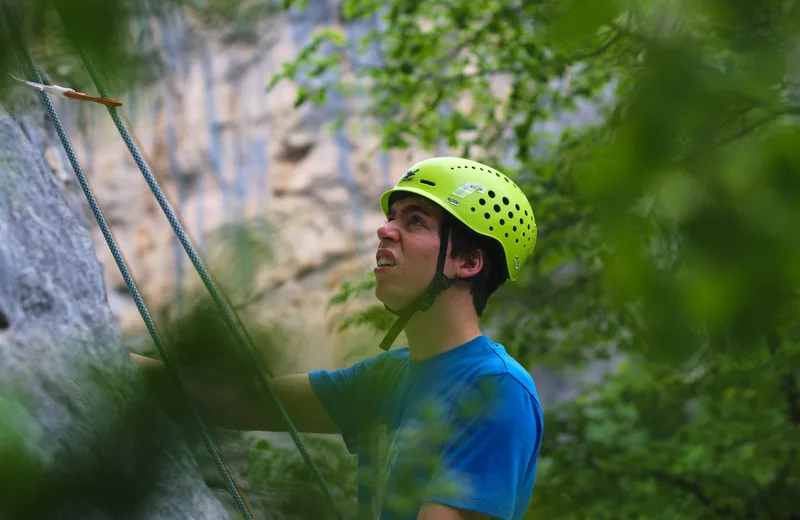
(384, 258)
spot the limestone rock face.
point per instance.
(227, 152)
(88, 445)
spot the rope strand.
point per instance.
(131, 285)
(222, 305)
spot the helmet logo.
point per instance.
(467, 188)
(409, 176)
(516, 261)
(453, 201)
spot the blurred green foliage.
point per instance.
(287, 487)
(657, 143)
(123, 38)
(21, 469)
(56, 31)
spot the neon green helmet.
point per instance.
(482, 198)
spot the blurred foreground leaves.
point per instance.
(57, 30)
(21, 470)
(114, 465)
(125, 39)
(288, 487)
(657, 143)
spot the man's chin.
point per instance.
(391, 299)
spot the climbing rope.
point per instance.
(224, 307)
(134, 291)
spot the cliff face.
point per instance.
(226, 152)
(77, 439)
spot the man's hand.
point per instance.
(433, 511)
(226, 402)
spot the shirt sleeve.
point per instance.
(489, 449)
(349, 395)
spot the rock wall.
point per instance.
(77, 438)
(226, 152)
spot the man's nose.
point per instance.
(388, 231)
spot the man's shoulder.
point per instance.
(390, 358)
(499, 366)
(383, 365)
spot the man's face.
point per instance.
(410, 241)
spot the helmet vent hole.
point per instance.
(487, 216)
(429, 183)
(502, 222)
(505, 201)
(491, 228)
(514, 228)
(516, 206)
(482, 201)
(526, 212)
(491, 194)
(473, 209)
(510, 215)
(517, 241)
(497, 208)
(529, 226)
(523, 233)
(506, 235)
(521, 222)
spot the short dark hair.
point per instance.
(494, 272)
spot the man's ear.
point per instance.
(469, 265)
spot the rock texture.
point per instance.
(88, 445)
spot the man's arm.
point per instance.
(229, 404)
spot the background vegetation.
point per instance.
(668, 219)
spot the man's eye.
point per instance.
(418, 220)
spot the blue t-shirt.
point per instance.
(462, 428)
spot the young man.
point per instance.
(450, 426)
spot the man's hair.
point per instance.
(493, 275)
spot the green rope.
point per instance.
(223, 306)
(115, 251)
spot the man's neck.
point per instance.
(444, 326)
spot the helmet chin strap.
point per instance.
(424, 301)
